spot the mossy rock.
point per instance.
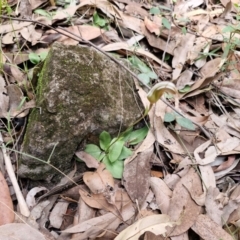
(79, 92)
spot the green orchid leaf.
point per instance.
(144, 78)
(169, 117)
(94, 151)
(136, 62)
(186, 123)
(137, 136)
(116, 168)
(165, 8)
(155, 11)
(144, 68)
(98, 20)
(115, 150)
(185, 89)
(42, 13)
(152, 75)
(166, 23)
(43, 55)
(126, 152)
(104, 140)
(126, 134)
(34, 58)
(228, 28)
(184, 30)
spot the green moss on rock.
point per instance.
(79, 92)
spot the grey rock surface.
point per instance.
(80, 92)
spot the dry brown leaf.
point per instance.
(152, 27)
(222, 148)
(152, 236)
(185, 210)
(17, 58)
(200, 149)
(19, 231)
(146, 145)
(213, 206)
(230, 85)
(99, 181)
(181, 6)
(165, 138)
(36, 3)
(85, 32)
(184, 79)
(30, 34)
(181, 54)
(234, 216)
(130, 22)
(30, 198)
(208, 180)
(223, 122)
(200, 46)
(13, 26)
(92, 224)
(135, 9)
(15, 99)
(6, 206)
(90, 161)
(155, 223)
(210, 67)
(136, 177)
(162, 194)
(226, 164)
(4, 99)
(122, 207)
(84, 211)
(43, 19)
(65, 13)
(111, 36)
(57, 213)
(224, 172)
(203, 82)
(9, 37)
(125, 46)
(208, 229)
(24, 9)
(14, 73)
(97, 201)
(109, 9)
(158, 42)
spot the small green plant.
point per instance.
(146, 73)
(159, 11)
(112, 152)
(208, 54)
(166, 23)
(184, 122)
(99, 21)
(5, 7)
(45, 13)
(37, 58)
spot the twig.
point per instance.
(208, 135)
(21, 201)
(80, 39)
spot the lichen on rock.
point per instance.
(79, 92)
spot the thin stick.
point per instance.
(21, 201)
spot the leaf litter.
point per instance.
(192, 143)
